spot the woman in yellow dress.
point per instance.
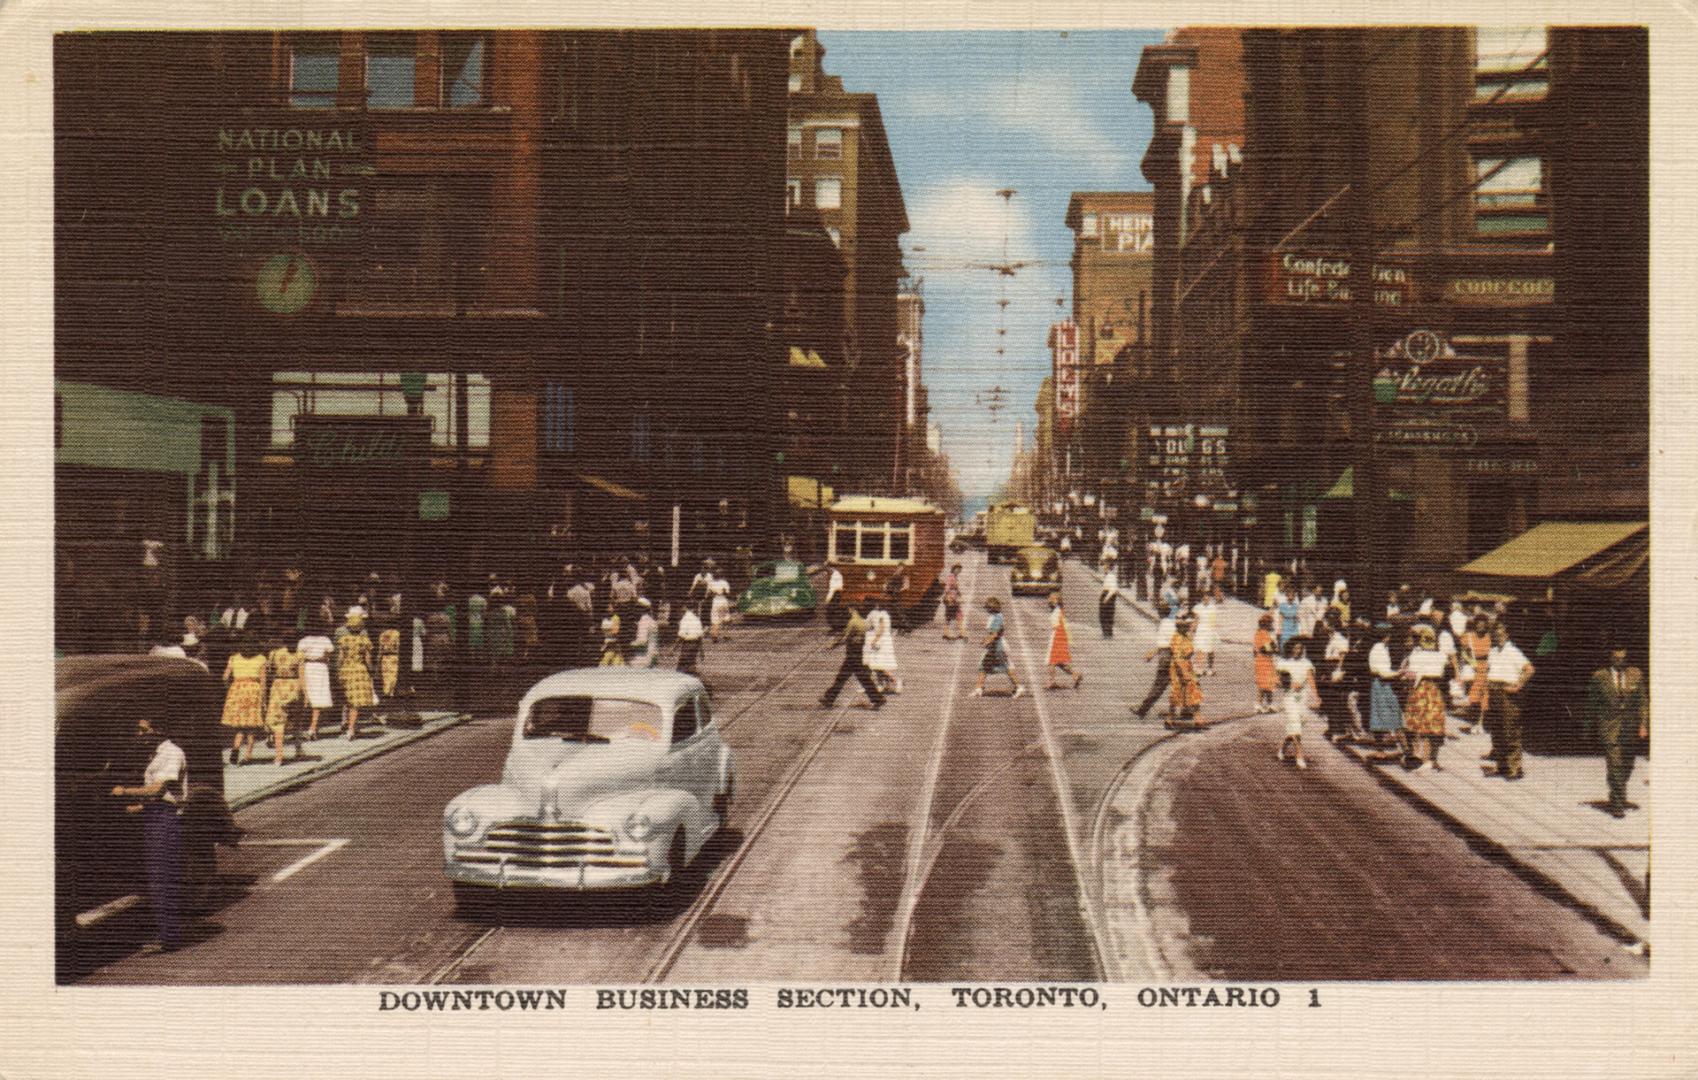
(285, 691)
(244, 702)
(1186, 697)
(389, 659)
(353, 668)
(611, 653)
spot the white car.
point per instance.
(616, 777)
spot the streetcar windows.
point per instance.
(873, 541)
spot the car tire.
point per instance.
(722, 801)
(677, 854)
(473, 900)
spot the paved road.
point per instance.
(946, 837)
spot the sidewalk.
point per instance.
(261, 779)
(1551, 826)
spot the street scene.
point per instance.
(1160, 506)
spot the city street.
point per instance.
(947, 837)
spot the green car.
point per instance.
(778, 588)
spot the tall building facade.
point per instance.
(840, 167)
(1505, 214)
(1112, 264)
(370, 288)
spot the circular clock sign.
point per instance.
(287, 283)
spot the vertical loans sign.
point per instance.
(1064, 345)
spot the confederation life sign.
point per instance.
(288, 185)
(1306, 277)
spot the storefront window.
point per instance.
(340, 393)
(314, 67)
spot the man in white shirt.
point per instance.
(1507, 672)
(160, 797)
(1162, 654)
(1458, 619)
(689, 640)
(835, 587)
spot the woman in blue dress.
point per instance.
(1287, 618)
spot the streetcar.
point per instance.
(874, 537)
(1008, 528)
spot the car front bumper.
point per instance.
(507, 872)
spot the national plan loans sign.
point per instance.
(284, 197)
(1064, 343)
(1429, 393)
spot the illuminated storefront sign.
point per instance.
(1429, 394)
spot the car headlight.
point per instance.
(462, 822)
(638, 826)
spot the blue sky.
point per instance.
(968, 113)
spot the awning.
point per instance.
(1547, 550)
(807, 358)
(618, 491)
(808, 493)
(1345, 488)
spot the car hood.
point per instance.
(564, 776)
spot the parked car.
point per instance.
(778, 588)
(98, 857)
(615, 777)
(1036, 569)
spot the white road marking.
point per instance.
(1063, 791)
(105, 911)
(326, 846)
(912, 877)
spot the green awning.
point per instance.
(1547, 550)
(1345, 488)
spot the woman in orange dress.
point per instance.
(1186, 694)
(1060, 653)
(1476, 648)
(1267, 652)
(244, 702)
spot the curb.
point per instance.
(318, 772)
(1497, 852)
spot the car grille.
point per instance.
(567, 843)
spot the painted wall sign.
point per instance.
(1500, 291)
(278, 184)
(1307, 277)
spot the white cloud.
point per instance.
(964, 220)
(1053, 110)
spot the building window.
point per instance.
(1088, 225)
(464, 70)
(391, 72)
(340, 393)
(1178, 95)
(828, 143)
(1510, 63)
(792, 193)
(793, 142)
(796, 45)
(828, 193)
(1509, 197)
(796, 82)
(314, 69)
(559, 419)
(836, 236)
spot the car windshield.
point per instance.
(594, 720)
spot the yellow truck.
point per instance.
(1008, 528)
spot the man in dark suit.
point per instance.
(1617, 710)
